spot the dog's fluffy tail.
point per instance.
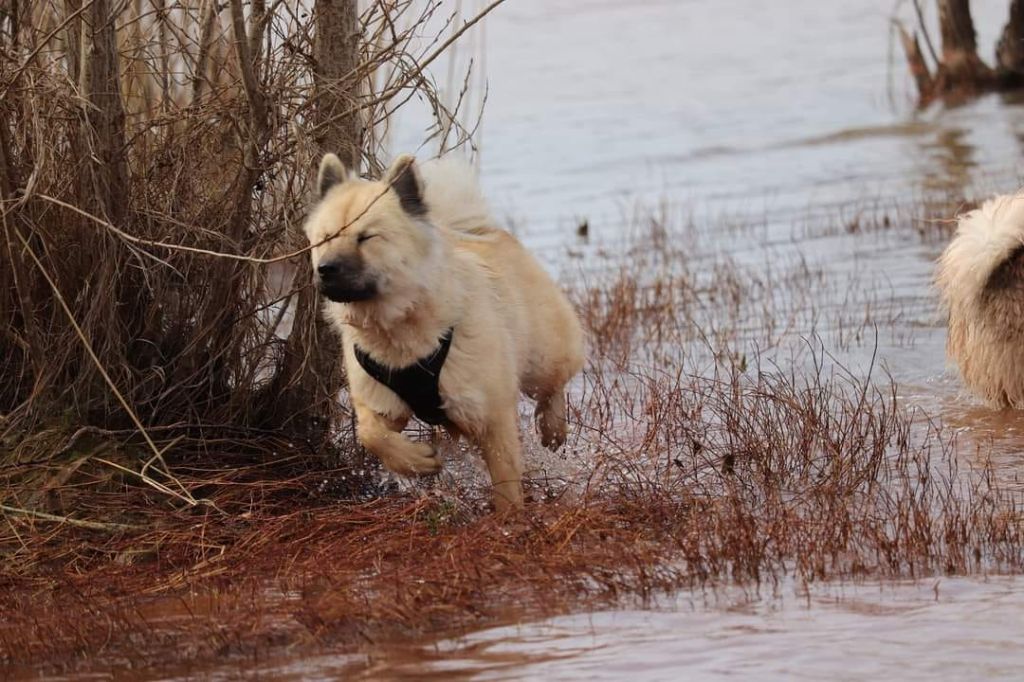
(981, 277)
(987, 240)
(453, 197)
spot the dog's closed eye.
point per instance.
(364, 237)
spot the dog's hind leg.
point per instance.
(550, 416)
(501, 451)
(383, 437)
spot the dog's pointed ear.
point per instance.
(332, 172)
(404, 178)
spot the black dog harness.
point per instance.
(416, 384)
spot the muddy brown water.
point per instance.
(766, 135)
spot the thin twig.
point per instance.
(80, 523)
(927, 36)
(207, 252)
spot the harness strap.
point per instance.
(416, 384)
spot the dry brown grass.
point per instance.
(721, 481)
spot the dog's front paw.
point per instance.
(551, 423)
(553, 431)
(553, 440)
(419, 459)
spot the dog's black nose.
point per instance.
(345, 279)
(328, 269)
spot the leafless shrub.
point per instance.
(155, 163)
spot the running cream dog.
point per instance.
(981, 280)
(441, 314)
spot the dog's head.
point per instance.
(371, 239)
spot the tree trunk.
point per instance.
(104, 116)
(337, 54)
(1010, 49)
(105, 191)
(313, 374)
(961, 67)
(210, 8)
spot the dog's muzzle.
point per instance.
(345, 280)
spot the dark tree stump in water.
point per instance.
(959, 71)
(1010, 50)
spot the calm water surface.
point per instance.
(724, 106)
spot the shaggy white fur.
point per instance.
(452, 194)
(981, 280)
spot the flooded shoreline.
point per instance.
(742, 421)
(771, 471)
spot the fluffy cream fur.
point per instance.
(514, 330)
(981, 280)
